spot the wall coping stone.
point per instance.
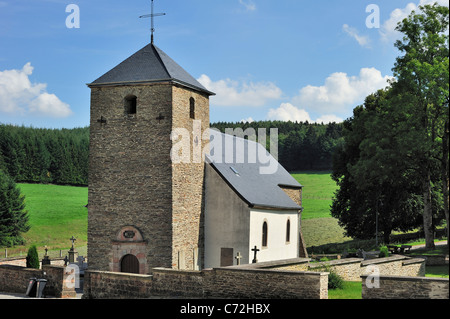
(383, 260)
(335, 262)
(178, 271)
(413, 261)
(119, 274)
(408, 278)
(264, 270)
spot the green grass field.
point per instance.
(318, 226)
(56, 214)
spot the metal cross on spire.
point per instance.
(152, 15)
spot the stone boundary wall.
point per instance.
(176, 283)
(22, 261)
(240, 282)
(250, 283)
(15, 279)
(116, 285)
(402, 287)
(351, 269)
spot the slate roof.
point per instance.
(246, 179)
(150, 64)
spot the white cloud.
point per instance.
(249, 5)
(387, 30)
(247, 120)
(288, 112)
(340, 92)
(362, 40)
(234, 93)
(18, 95)
(329, 119)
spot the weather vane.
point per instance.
(152, 15)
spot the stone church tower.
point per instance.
(144, 210)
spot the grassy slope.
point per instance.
(56, 214)
(317, 224)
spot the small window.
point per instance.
(130, 104)
(192, 108)
(288, 231)
(264, 234)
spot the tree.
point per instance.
(13, 216)
(375, 190)
(32, 258)
(423, 76)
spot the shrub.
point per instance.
(335, 281)
(384, 252)
(33, 258)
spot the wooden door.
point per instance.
(129, 264)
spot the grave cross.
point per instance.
(254, 261)
(238, 258)
(73, 239)
(80, 260)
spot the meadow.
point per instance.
(318, 227)
(56, 214)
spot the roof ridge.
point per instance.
(158, 56)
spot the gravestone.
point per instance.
(73, 254)
(46, 259)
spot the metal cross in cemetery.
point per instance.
(73, 239)
(254, 261)
(152, 15)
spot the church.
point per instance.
(146, 210)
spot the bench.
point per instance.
(405, 248)
(399, 249)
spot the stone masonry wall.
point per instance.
(188, 179)
(296, 195)
(401, 287)
(229, 282)
(113, 285)
(133, 181)
(15, 279)
(351, 269)
(130, 172)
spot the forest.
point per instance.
(38, 155)
(60, 156)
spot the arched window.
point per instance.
(192, 108)
(288, 231)
(130, 105)
(264, 234)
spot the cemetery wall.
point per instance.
(403, 287)
(351, 269)
(228, 282)
(16, 278)
(242, 283)
(116, 285)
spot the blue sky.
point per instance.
(266, 60)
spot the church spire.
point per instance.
(152, 16)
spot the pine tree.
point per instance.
(13, 216)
